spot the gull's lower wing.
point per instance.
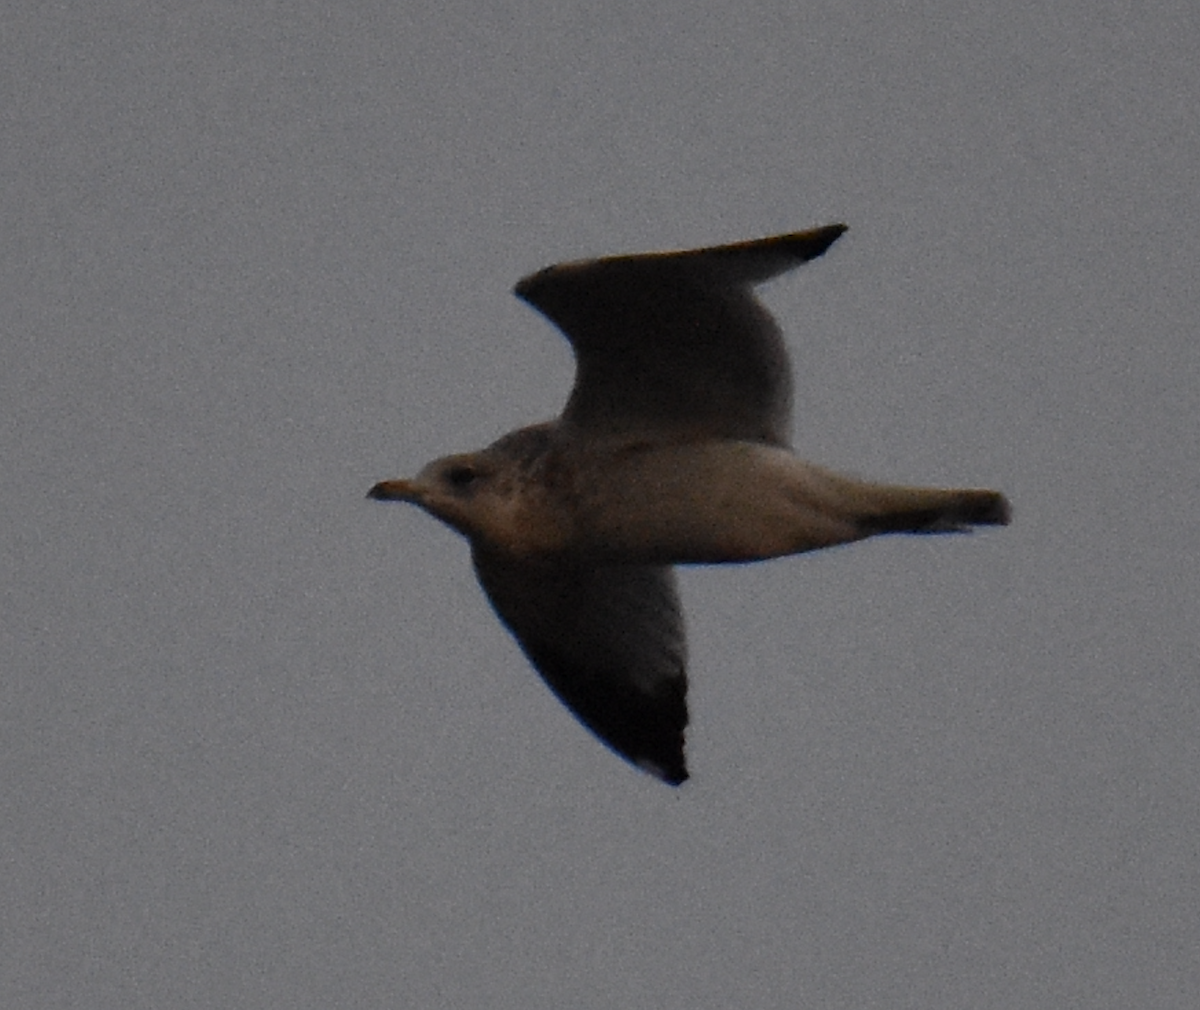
(675, 342)
(610, 643)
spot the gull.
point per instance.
(673, 448)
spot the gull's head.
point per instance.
(463, 491)
(496, 497)
(471, 493)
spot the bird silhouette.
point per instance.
(673, 448)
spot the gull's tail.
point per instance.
(932, 510)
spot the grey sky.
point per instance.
(265, 745)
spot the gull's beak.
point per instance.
(394, 490)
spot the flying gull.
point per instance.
(673, 448)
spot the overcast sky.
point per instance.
(264, 744)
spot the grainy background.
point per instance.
(264, 744)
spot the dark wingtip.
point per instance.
(676, 774)
(986, 508)
(647, 729)
(795, 247)
(808, 245)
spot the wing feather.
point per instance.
(610, 644)
(676, 343)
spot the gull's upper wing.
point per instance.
(610, 643)
(676, 343)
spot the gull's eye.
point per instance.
(461, 475)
